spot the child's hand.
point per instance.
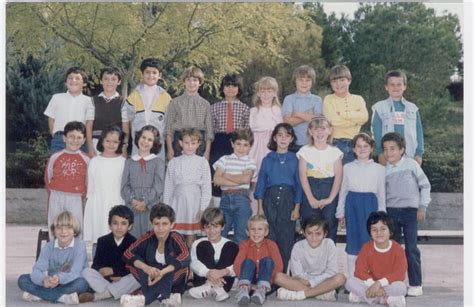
(313, 202)
(46, 282)
(106, 271)
(139, 205)
(170, 154)
(342, 222)
(324, 202)
(198, 215)
(91, 153)
(53, 281)
(295, 214)
(419, 160)
(215, 277)
(420, 215)
(207, 155)
(374, 289)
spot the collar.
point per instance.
(56, 244)
(361, 162)
(253, 244)
(299, 95)
(383, 250)
(118, 242)
(403, 101)
(115, 95)
(136, 157)
(234, 156)
(81, 94)
(402, 160)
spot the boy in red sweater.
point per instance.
(258, 261)
(380, 267)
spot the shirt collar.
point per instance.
(390, 165)
(118, 242)
(360, 162)
(233, 155)
(147, 158)
(56, 244)
(383, 250)
(259, 244)
(81, 94)
(115, 95)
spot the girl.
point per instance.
(56, 276)
(320, 169)
(278, 190)
(358, 198)
(188, 185)
(143, 178)
(104, 177)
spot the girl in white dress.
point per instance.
(104, 177)
(188, 188)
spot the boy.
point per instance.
(313, 266)
(212, 259)
(108, 275)
(380, 267)
(159, 259)
(147, 103)
(258, 261)
(108, 106)
(69, 106)
(299, 108)
(396, 114)
(66, 173)
(189, 110)
(408, 195)
(233, 174)
(346, 112)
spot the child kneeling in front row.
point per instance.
(212, 259)
(56, 276)
(380, 267)
(108, 275)
(313, 266)
(258, 261)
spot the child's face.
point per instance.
(340, 86)
(241, 147)
(74, 84)
(230, 91)
(362, 149)
(213, 232)
(395, 87)
(191, 85)
(320, 135)
(266, 96)
(74, 139)
(392, 152)
(189, 145)
(257, 231)
(119, 226)
(111, 143)
(162, 227)
(303, 85)
(151, 75)
(145, 143)
(314, 235)
(380, 233)
(64, 234)
(283, 139)
(110, 82)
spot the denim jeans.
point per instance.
(249, 273)
(57, 143)
(404, 221)
(78, 285)
(345, 145)
(237, 211)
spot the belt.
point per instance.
(235, 191)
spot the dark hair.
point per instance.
(151, 62)
(156, 143)
(111, 71)
(380, 216)
(304, 71)
(394, 137)
(272, 144)
(365, 137)
(161, 210)
(212, 215)
(76, 70)
(233, 80)
(397, 74)
(315, 220)
(242, 134)
(74, 126)
(123, 212)
(103, 135)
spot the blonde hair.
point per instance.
(304, 71)
(256, 219)
(193, 72)
(262, 84)
(318, 122)
(66, 218)
(340, 71)
(193, 133)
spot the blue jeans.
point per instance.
(345, 145)
(78, 285)
(237, 211)
(57, 143)
(404, 221)
(249, 273)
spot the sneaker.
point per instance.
(173, 300)
(69, 299)
(258, 296)
(288, 295)
(328, 296)
(415, 291)
(128, 300)
(243, 297)
(86, 297)
(221, 294)
(99, 296)
(396, 301)
(353, 298)
(26, 296)
(202, 291)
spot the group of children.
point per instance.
(306, 161)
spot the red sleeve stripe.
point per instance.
(177, 275)
(184, 249)
(128, 252)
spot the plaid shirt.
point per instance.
(240, 111)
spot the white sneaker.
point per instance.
(173, 300)
(353, 298)
(289, 295)
(26, 296)
(328, 296)
(396, 301)
(69, 299)
(220, 293)
(128, 300)
(415, 291)
(202, 291)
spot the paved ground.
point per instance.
(443, 284)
